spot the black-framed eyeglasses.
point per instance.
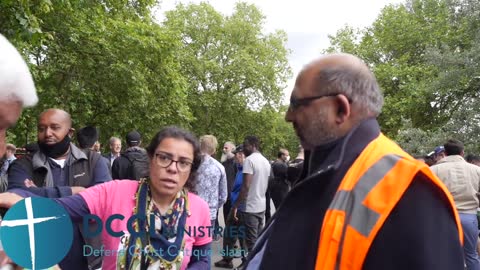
(164, 160)
(296, 103)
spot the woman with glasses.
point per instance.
(171, 228)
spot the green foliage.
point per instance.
(424, 54)
(236, 73)
(106, 63)
(110, 65)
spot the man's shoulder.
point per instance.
(256, 155)
(78, 153)
(228, 162)
(26, 160)
(135, 151)
(123, 158)
(473, 167)
(217, 164)
(278, 163)
(210, 164)
(93, 154)
(262, 158)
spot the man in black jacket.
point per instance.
(333, 108)
(278, 185)
(61, 169)
(87, 138)
(133, 163)
(228, 161)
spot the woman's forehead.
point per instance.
(177, 147)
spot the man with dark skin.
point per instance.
(333, 109)
(53, 126)
(249, 209)
(57, 180)
(60, 169)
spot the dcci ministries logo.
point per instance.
(36, 233)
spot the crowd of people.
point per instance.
(351, 199)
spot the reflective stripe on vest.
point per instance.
(369, 191)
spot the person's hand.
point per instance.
(76, 190)
(234, 211)
(5, 262)
(29, 183)
(4, 259)
(8, 199)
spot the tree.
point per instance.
(110, 65)
(105, 62)
(236, 73)
(424, 55)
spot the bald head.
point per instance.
(339, 59)
(344, 74)
(58, 115)
(331, 96)
(53, 126)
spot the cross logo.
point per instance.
(36, 233)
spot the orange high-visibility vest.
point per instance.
(370, 190)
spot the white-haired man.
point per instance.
(17, 91)
(115, 148)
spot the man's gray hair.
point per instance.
(359, 85)
(11, 147)
(113, 139)
(16, 81)
(230, 143)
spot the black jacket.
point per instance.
(122, 168)
(419, 234)
(80, 169)
(231, 172)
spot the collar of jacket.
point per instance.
(135, 149)
(40, 160)
(330, 157)
(452, 158)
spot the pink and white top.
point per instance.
(118, 197)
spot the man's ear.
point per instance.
(70, 133)
(343, 108)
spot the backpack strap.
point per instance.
(93, 158)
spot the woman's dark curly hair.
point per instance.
(178, 133)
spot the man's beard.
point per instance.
(318, 132)
(55, 150)
(226, 156)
